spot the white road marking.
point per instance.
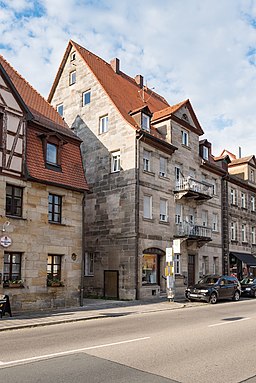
(228, 322)
(37, 358)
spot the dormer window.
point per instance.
(184, 137)
(205, 153)
(145, 122)
(52, 147)
(51, 154)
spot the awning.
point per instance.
(249, 259)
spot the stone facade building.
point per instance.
(151, 179)
(42, 188)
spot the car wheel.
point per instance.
(213, 298)
(236, 296)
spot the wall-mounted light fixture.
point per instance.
(5, 225)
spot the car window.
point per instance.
(209, 280)
(248, 280)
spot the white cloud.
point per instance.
(201, 50)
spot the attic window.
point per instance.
(52, 148)
(60, 109)
(73, 56)
(205, 153)
(72, 77)
(185, 117)
(145, 122)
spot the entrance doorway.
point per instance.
(111, 284)
(191, 270)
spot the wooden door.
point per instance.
(111, 284)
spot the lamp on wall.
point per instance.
(5, 225)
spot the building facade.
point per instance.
(42, 188)
(151, 179)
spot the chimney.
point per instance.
(115, 65)
(240, 152)
(139, 80)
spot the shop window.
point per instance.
(54, 208)
(12, 267)
(14, 201)
(149, 269)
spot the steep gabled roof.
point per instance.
(40, 109)
(123, 90)
(171, 110)
(243, 160)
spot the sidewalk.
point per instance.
(92, 309)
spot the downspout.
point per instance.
(225, 226)
(138, 137)
(83, 253)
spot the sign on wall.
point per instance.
(5, 241)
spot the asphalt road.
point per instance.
(204, 344)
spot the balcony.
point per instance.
(190, 232)
(191, 188)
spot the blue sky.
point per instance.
(204, 50)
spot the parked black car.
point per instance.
(248, 287)
(211, 288)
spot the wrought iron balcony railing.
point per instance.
(192, 188)
(191, 231)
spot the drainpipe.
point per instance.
(138, 137)
(83, 254)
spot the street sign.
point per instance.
(176, 246)
(169, 256)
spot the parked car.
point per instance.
(248, 287)
(213, 287)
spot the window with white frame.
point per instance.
(146, 160)
(233, 196)
(215, 265)
(252, 203)
(233, 231)
(215, 222)
(89, 264)
(243, 232)
(191, 216)
(253, 235)
(162, 166)
(163, 210)
(177, 264)
(86, 97)
(252, 175)
(243, 200)
(178, 213)
(205, 153)
(214, 186)
(72, 77)
(145, 122)
(103, 124)
(178, 174)
(115, 162)
(184, 137)
(73, 56)
(60, 109)
(205, 265)
(204, 218)
(147, 207)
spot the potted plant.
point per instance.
(54, 282)
(13, 283)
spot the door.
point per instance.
(191, 270)
(111, 284)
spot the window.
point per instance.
(191, 216)
(1, 129)
(252, 203)
(243, 232)
(204, 217)
(54, 208)
(12, 266)
(72, 77)
(51, 154)
(178, 213)
(233, 231)
(177, 264)
(60, 109)
(233, 196)
(205, 265)
(73, 56)
(177, 174)
(205, 153)
(252, 175)
(145, 122)
(253, 234)
(54, 267)
(214, 186)
(149, 269)
(103, 124)
(215, 265)
(146, 160)
(184, 137)
(89, 264)
(163, 210)
(147, 207)
(215, 222)
(243, 200)
(14, 200)
(115, 162)
(163, 166)
(86, 97)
